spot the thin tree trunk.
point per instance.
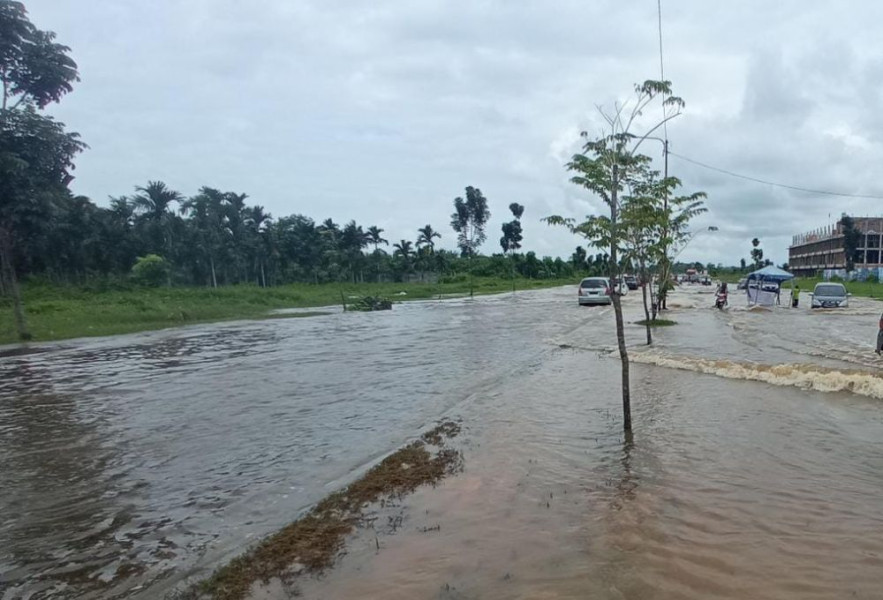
(214, 275)
(7, 268)
(471, 284)
(646, 310)
(617, 305)
(654, 301)
(263, 275)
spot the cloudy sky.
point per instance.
(382, 111)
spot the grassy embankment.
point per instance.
(865, 289)
(56, 313)
(856, 288)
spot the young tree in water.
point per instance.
(605, 167)
(469, 220)
(36, 154)
(655, 219)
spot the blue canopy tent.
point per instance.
(764, 285)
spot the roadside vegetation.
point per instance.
(56, 313)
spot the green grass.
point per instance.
(56, 313)
(657, 323)
(856, 288)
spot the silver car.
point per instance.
(829, 295)
(594, 290)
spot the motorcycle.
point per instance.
(720, 300)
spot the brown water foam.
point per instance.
(804, 376)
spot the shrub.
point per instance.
(151, 270)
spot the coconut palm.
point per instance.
(373, 237)
(426, 237)
(153, 203)
(403, 249)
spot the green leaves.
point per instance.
(34, 68)
(469, 219)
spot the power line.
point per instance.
(773, 183)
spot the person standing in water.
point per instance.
(880, 337)
(795, 296)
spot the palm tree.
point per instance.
(155, 199)
(373, 237)
(154, 203)
(352, 240)
(427, 235)
(403, 249)
(207, 212)
(257, 223)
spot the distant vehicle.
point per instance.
(631, 281)
(743, 284)
(829, 295)
(706, 280)
(621, 287)
(594, 290)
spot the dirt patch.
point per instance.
(312, 543)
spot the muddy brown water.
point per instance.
(756, 468)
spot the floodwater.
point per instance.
(755, 469)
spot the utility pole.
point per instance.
(665, 265)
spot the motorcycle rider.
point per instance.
(721, 295)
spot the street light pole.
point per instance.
(665, 270)
(690, 238)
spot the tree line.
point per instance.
(217, 238)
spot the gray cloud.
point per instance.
(385, 111)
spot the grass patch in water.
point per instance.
(656, 323)
(312, 543)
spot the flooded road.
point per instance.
(756, 468)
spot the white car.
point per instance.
(594, 290)
(597, 290)
(829, 295)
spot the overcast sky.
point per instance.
(382, 111)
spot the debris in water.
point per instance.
(370, 303)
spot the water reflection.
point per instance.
(58, 472)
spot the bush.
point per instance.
(150, 271)
(371, 303)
